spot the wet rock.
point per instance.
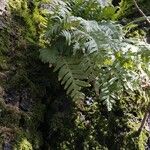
(25, 105)
(7, 146)
(2, 25)
(21, 98)
(11, 97)
(3, 4)
(22, 123)
(148, 144)
(25, 100)
(148, 122)
(148, 40)
(3, 76)
(1, 91)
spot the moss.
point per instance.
(27, 139)
(10, 115)
(134, 141)
(32, 18)
(11, 118)
(125, 9)
(24, 145)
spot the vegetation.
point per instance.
(74, 74)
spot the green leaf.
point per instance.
(48, 55)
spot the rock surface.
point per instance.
(3, 4)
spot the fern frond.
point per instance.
(71, 77)
(48, 55)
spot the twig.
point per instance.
(141, 12)
(138, 20)
(144, 120)
(146, 116)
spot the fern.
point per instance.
(71, 76)
(79, 49)
(69, 72)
